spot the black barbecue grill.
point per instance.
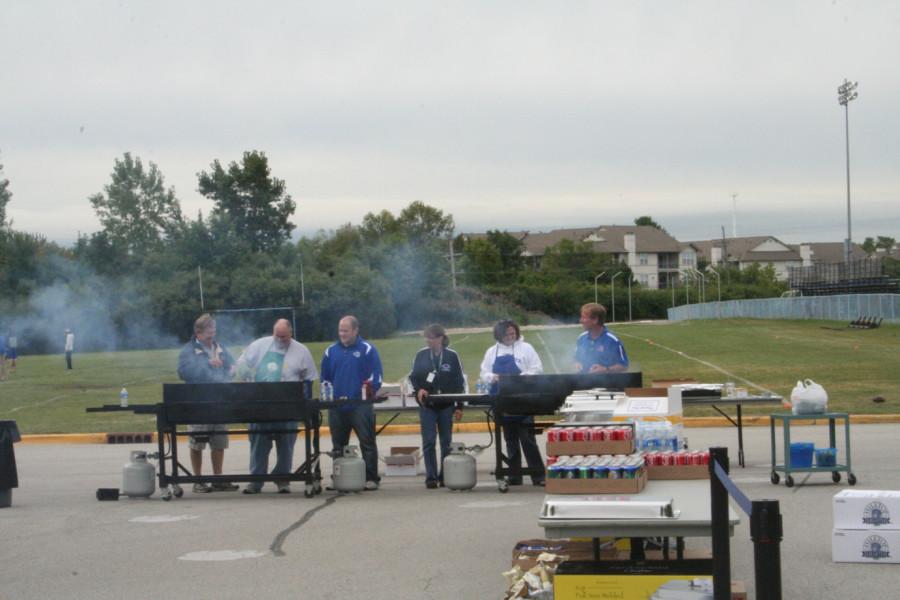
(534, 395)
(229, 403)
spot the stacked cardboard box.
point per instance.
(866, 526)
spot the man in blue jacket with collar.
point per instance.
(353, 367)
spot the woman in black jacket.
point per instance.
(436, 370)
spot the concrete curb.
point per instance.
(748, 421)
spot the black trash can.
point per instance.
(9, 478)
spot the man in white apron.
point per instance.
(275, 358)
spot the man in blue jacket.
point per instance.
(353, 367)
(598, 350)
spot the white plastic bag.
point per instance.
(809, 398)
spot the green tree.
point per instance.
(869, 246)
(481, 262)
(422, 223)
(648, 220)
(511, 250)
(885, 243)
(5, 197)
(249, 202)
(137, 209)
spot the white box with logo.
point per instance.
(867, 509)
(865, 546)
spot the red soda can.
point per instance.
(696, 458)
(667, 459)
(578, 435)
(598, 434)
(704, 457)
(683, 458)
(615, 433)
(553, 434)
(626, 433)
(650, 458)
(551, 460)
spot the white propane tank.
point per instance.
(349, 471)
(459, 468)
(138, 476)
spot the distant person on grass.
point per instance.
(203, 360)
(3, 351)
(12, 344)
(597, 349)
(70, 348)
(278, 357)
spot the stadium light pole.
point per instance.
(613, 282)
(596, 295)
(846, 93)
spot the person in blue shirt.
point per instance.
(597, 349)
(352, 365)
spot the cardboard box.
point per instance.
(597, 486)
(588, 448)
(402, 462)
(865, 545)
(867, 509)
(628, 580)
(655, 472)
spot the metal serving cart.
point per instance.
(787, 468)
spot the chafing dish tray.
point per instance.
(606, 507)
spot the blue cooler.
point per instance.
(802, 454)
(826, 457)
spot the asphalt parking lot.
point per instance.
(402, 541)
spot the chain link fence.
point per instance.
(846, 307)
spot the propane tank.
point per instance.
(138, 476)
(459, 468)
(349, 471)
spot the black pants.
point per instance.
(69, 360)
(520, 433)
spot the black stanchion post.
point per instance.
(766, 533)
(721, 550)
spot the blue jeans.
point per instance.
(431, 422)
(362, 421)
(261, 446)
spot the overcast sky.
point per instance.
(507, 115)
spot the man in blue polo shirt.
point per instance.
(597, 349)
(353, 365)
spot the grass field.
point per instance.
(853, 365)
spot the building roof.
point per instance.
(604, 239)
(832, 252)
(746, 249)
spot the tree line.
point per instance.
(141, 272)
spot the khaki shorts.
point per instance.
(216, 440)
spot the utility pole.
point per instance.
(846, 93)
(200, 278)
(734, 215)
(452, 262)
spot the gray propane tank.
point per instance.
(349, 471)
(138, 476)
(459, 468)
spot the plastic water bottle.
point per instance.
(327, 392)
(123, 398)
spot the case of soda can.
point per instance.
(593, 433)
(604, 466)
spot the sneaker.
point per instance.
(431, 484)
(371, 486)
(251, 490)
(201, 488)
(284, 488)
(225, 486)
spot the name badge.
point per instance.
(430, 378)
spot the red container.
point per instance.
(553, 434)
(551, 460)
(599, 434)
(626, 433)
(683, 458)
(697, 458)
(704, 457)
(578, 435)
(667, 459)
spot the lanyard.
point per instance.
(437, 367)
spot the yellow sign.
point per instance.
(626, 587)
